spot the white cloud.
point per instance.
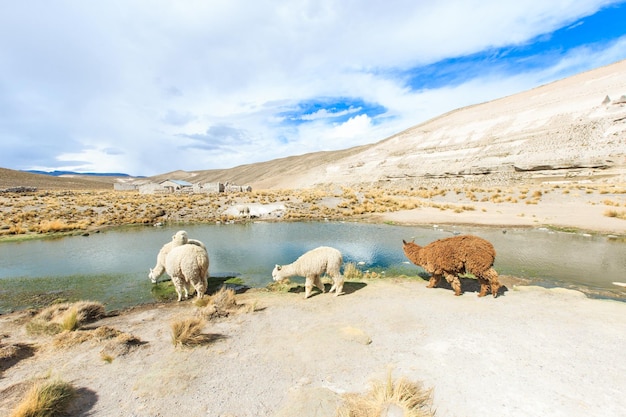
(202, 84)
(354, 127)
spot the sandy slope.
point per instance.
(529, 352)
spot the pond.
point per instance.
(112, 266)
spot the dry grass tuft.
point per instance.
(224, 298)
(9, 351)
(65, 317)
(279, 286)
(401, 397)
(69, 338)
(116, 343)
(616, 214)
(188, 332)
(46, 399)
(224, 303)
(351, 271)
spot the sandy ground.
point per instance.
(529, 352)
(581, 217)
(578, 211)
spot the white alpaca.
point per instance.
(188, 265)
(243, 211)
(312, 265)
(178, 239)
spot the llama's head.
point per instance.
(406, 245)
(180, 238)
(411, 251)
(152, 276)
(277, 273)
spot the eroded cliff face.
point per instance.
(571, 128)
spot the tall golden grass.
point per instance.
(188, 332)
(400, 397)
(46, 399)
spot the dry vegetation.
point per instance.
(389, 398)
(46, 399)
(65, 317)
(63, 326)
(50, 212)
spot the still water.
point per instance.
(112, 266)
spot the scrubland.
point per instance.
(81, 211)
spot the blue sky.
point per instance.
(148, 87)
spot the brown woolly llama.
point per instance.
(456, 255)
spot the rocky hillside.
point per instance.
(573, 128)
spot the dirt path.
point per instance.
(531, 351)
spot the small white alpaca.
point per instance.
(178, 239)
(188, 265)
(312, 265)
(243, 211)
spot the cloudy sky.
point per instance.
(146, 87)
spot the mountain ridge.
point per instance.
(567, 130)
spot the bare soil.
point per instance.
(531, 351)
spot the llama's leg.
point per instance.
(433, 281)
(178, 286)
(492, 277)
(318, 283)
(338, 281)
(186, 288)
(484, 286)
(205, 283)
(200, 290)
(454, 282)
(308, 286)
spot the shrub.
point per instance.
(351, 271)
(46, 399)
(616, 214)
(388, 397)
(65, 316)
(188, 332)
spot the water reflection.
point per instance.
(112, 266)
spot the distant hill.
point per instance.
(571, 129)
(11, 178)
(88, 174)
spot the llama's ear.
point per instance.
(403, 242)
(278, 267)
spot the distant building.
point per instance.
(179, 186)
(176, 185)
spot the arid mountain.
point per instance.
(574, 128)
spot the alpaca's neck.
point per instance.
(416, 250)
(158, 270)
(288, 270)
